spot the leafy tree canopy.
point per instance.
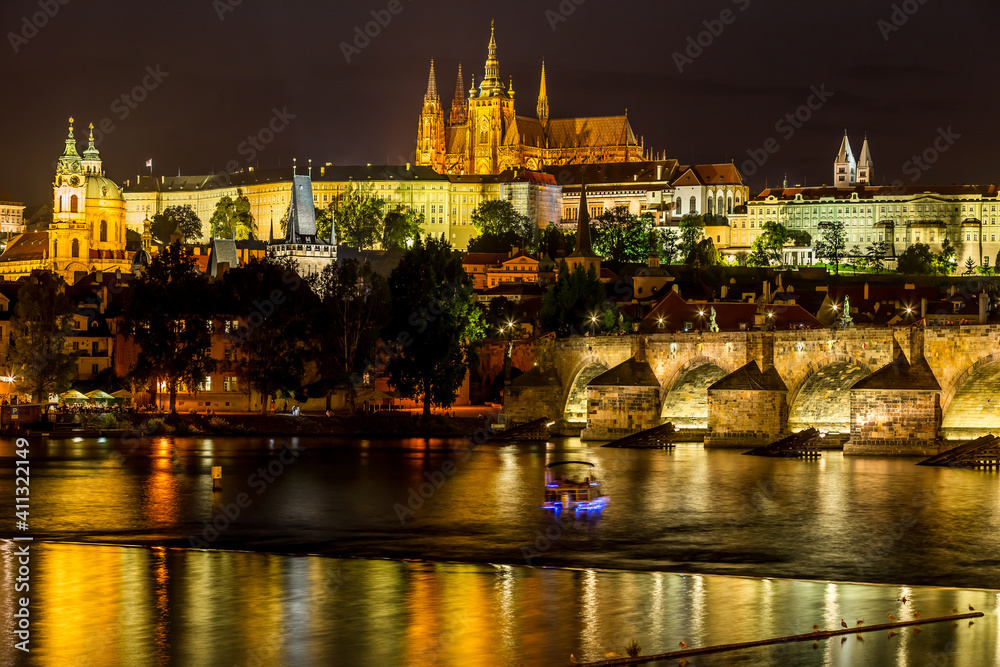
(917, 259)
(622, 238)
(359, 216)
(38, 356)
(832, 246)
(570, 304)
(232, 216)
(401, 228)
(501, 227)
(434, 326)
(692, 228)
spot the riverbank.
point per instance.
(388, 424)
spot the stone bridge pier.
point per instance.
(895, 391)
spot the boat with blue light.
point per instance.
(572, 485)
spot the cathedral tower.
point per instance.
(430, 135)
(865, 165)
(459, 106)
(543, 100)
(845, 168)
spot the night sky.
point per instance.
(224, 78)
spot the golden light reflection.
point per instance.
(161, 501)
(590, 614)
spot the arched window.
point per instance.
(76, 248)
(104, 231)
(729, 203)
(694, 205)
(74, 203)
(719, 208)
(678, 206)
(710, 206)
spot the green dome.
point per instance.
(99, 187)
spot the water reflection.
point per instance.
(100, 605)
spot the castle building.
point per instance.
(897, 214)
(484, 134)
(87, 233)
(302, 243)
(446, 202)
(11, 214)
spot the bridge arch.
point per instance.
(685, 393)
(970, 405)
(575, 401)
(821, 399)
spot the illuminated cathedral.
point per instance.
(484, 134)
(87, 232)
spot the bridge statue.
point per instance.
(846, 320)
(713, 326)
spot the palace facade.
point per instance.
(446, 202)
(898, 214)
(484, 134)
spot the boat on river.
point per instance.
(572, 485)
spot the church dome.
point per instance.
(99, 187)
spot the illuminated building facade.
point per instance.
(446, 202)
(484, 134)
(88, 229)
(900, 215)
(11, 214)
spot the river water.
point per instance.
(422, 552)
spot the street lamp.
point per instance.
(593, 325)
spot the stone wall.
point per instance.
(686, 404)
(894, 423)
(745, 418)
(619, 411)
(525, 404)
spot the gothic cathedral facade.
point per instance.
(485, 136)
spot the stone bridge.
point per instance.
(894, 390)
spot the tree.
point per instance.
(169, 318)
(133, 241)
(705, 254)
(232, 216)
(833, 244)
(876, 254)
(800, 238)
(359, 216)
(268, 301)
(434, 324)
(970, 267)
(917, 259)
(665, 243)
(324, 221)
(576, 298)
(554, 241)
(692, 228)
(355, 305)
(501, 227)
(946, 262)
(176, 220)
(622, 238)
(37, 356)
(400, 228)
(768, 248)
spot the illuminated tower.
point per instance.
(459, 106)
(845, 168)
(543, 100)
(491, 112)
(865, 165)
(431, 135)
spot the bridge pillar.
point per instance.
(622, 401)
(897, 410)
(749, 408)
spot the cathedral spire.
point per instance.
(432, 86)
(491, 82)
(583, 245)
(70, 159)
(543, 99)
(459, 107)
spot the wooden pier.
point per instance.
(811, 636)
(658, 437)
(982, 452)
(801, 445)
(533, 431)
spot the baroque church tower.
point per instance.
(87, 232)
(845, 167)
